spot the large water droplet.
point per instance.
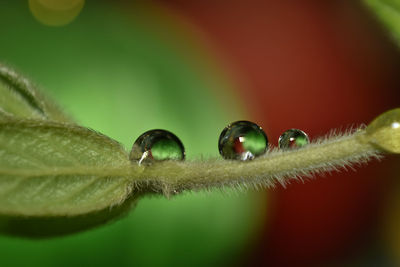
(157, 145)
(293, 138)
(384, 131)
(242, 140)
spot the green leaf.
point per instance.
(20, 98)
(58, 178)
(388, 12)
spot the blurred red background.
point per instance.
(313, 65)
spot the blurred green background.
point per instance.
(123, 69)
(191, 67)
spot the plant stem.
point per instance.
(328, 154)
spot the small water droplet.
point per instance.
(242, 140)
(157, 145)
(384, 131)
(293, 138)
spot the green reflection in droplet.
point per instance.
(255, 142)
(166, 149)
(157, 145)
(242, 140)
(293, 138)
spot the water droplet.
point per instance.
(157, 145)
(384, 131)
(242, 140)
(293, 138)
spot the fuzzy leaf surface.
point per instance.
(52, 170)
(19, 98)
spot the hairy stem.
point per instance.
(171, 177)
(328, 154)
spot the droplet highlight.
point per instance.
(157, 145)
(384, 131)
(242, 140)
(292, 139)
